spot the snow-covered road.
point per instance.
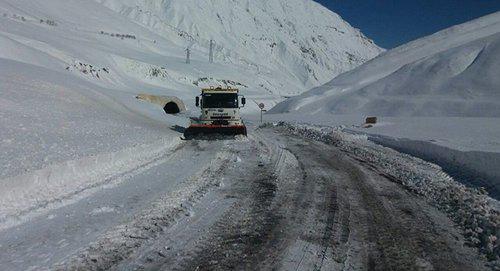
(272, 201)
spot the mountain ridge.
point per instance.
(244, 31)
(449, 73)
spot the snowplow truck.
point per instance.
(220, 113)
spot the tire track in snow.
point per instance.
(122, 241)
(336, 215)
(301, 205)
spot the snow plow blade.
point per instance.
(195, 131)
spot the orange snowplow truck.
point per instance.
(220, 113)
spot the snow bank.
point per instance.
(466, 148)
(61, 135)
(472, 168)
(476, 213)
(21, 194)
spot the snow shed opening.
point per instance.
(171, 108)
(170, 104)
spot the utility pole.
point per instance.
(188, 56)
(211, 53)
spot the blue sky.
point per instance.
(394, 22)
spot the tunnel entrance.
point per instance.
(171, 108)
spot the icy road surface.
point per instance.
(272, 201)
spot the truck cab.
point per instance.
(220, 106)
(220, 113)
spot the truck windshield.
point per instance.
(220, 100)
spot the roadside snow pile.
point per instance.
(475, 168)
(476, 213)
(468, 149)
(61, 135)
(51, 185)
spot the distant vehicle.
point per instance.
(220, 113)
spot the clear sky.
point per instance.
(394, 22)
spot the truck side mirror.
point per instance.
(197, 101)
(243, 101)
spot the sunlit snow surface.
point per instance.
(453, 73)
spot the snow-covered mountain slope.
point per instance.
(269, 49)
(300, 38)
(451, 73)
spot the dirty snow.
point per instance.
(474, 211)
